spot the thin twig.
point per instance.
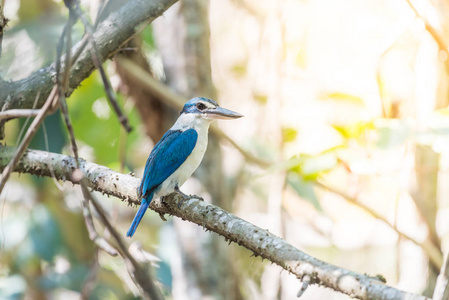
(46, 109)
(434, 33)
(90, 282)
(100, 11)
(25, 124)
(139, 274)
(82, 44)
(93, 235)
(18, 113)
(68, 47)
(430, 249)
(304, 285)
(98, 64)
(62, 82)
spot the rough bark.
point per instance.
(213, 218)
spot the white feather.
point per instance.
(187, 121)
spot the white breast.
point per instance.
(192, 162)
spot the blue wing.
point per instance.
(167, 156)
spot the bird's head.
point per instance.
(208, 109)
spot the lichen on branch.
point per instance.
(213, 218)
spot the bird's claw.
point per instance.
(180, 203)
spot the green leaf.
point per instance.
(354, 130)
(313, 166)
(260, 98)
(304, 188)
(95, 122)
(345, 97)
(392, 133)
(239, 69)
(289, 134)
(310, 167)
(147, 36)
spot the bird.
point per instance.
(179, 153)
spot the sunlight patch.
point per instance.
(101, 109)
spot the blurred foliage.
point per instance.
(337, 96)
(354, 130)
(303, 170)
(95, 123)
(46, 251)
(289, 134)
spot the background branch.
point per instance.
(13, 160)
(18, 113)
(110, 35)
(430, 249)
(138, 273)
(432, 31)
(234, 229)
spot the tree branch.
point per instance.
(234, 229)
(433, 32)
(433, 252)
(18, 113)
(110, 35)
(441, 291)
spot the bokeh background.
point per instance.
(345, 106)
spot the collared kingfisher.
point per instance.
(177, 155)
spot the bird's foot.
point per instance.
(186, 197)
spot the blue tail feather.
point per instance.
(139, 215)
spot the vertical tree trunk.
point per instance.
(427, 164)
(156, 115)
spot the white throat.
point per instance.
(187, 121)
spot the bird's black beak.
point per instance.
(223, 113)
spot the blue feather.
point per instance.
(165, 158)
(138, 217)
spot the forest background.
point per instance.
(343, 151)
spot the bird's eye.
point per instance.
(200, 106)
